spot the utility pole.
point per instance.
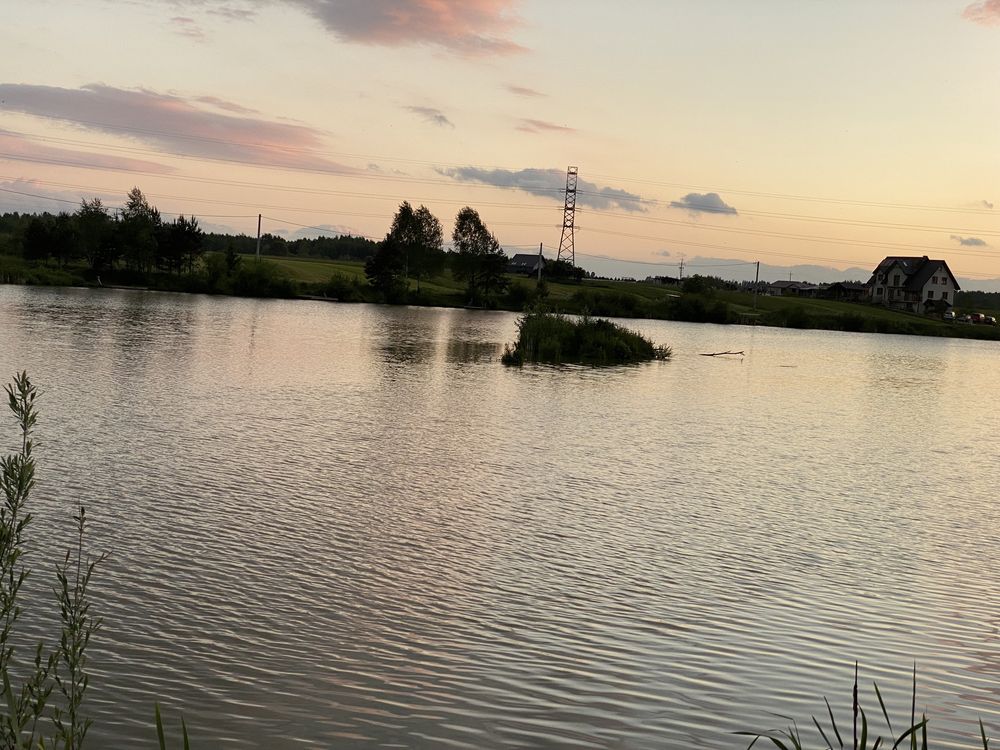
(681, 269)
(540, 261)
(756, 283)
(258, 238)
(567, 251)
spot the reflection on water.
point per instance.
(348, 525)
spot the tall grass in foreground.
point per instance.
(863, 735)
(556, 339)
(45, 691)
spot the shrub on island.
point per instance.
(555, 339)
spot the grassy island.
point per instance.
(555, 339)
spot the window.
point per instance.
(944, 281)
(944, 295)
(930, 294)
(934, 280)
(878, 292)
(895, 280)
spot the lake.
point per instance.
(350, 526)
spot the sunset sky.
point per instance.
(785, 131)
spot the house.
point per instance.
(526, 263)
(845, 291)
(791, 289)
(913, 284)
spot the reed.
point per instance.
(863, 737)
(42, 705)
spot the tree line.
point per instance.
(135, 237)
(134, 244)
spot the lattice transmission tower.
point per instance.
(567, 251)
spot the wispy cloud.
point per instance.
(233, 14)
(985, 13)
(432, 115)
(540, 126)
(987, 204)
(549, 183)
(970, 241)
(186, 26)
(466, 27)
(16, 147)
(709, 203)
(524, 91)
(664, 253)
(175, 124)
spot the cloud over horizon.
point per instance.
(176, 124)
(985, 12)
(432, 115)
(549, 183)
(709, 203)
(969, 241)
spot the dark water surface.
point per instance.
(349, 526)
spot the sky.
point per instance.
(718, 133)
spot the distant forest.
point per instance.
(60, 237)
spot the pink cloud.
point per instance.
(175, 124)
(187, 27)
(16, 147)
(469, 27)
(986, 12)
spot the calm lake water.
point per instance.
(350, 526)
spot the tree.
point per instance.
(138, 229)
(37, 241)
(96, 232)
(418, 235)
(414, 247)
(479, 260)
(180, 243)
(563, 269)
(426, 247)
(386, 270)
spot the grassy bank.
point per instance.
(344, 281)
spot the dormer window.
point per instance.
(895, 280)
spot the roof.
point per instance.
(918, 271)
(526, 259)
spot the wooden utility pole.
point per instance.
(540, 261)
(756, 283)
(258, 238)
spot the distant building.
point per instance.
(666, 280)
(845, 291)
(526, 263)
(912, 284)
(791, 289)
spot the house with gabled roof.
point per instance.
(527, 263)
(913, 284)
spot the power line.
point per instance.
(350, 174)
